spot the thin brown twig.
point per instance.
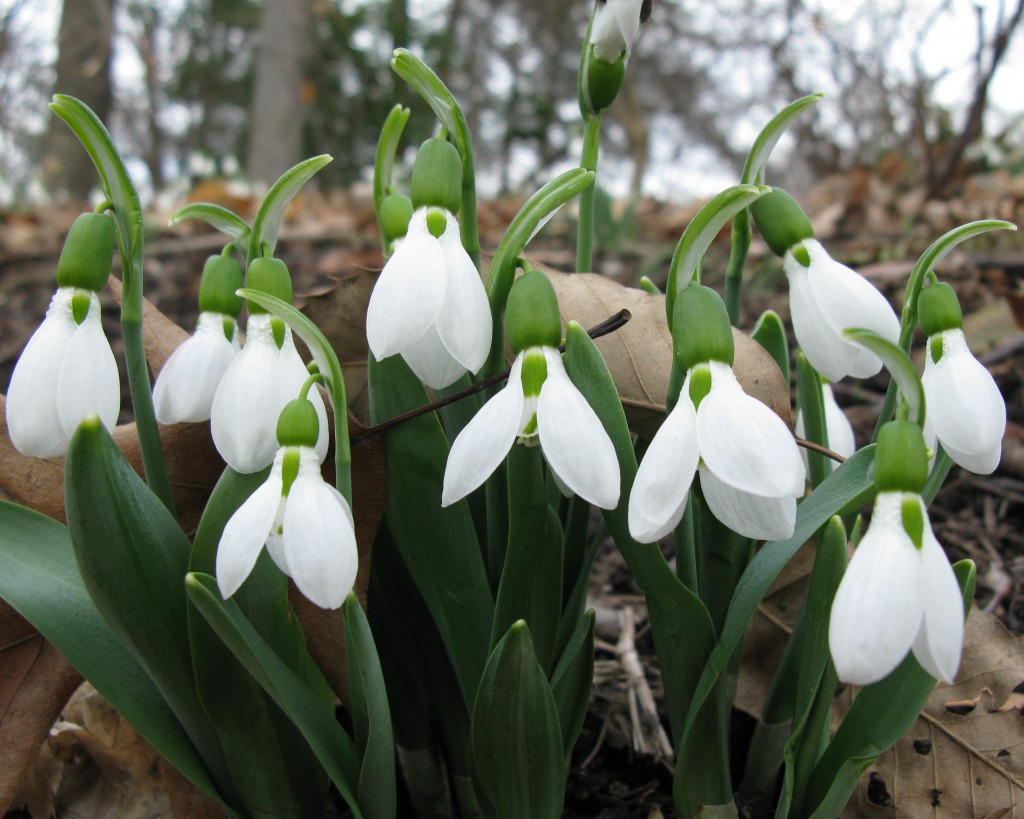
(821, 450)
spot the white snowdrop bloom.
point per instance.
(750, 469)
(896, 597)
(615, 29)
(966, 411)
(67, 371)
(552, 413)
(257, 384)
(430, 306)
(186, 385)
(826, 298)
(838, 426)
(306, 525)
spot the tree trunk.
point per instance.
(277, 112)
(83, 71)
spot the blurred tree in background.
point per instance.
(190, 78)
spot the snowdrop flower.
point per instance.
(67, 371)
(305, 523)
(539, 405)
(825, 297)
(966, 411)
(615, 29)
(837, 425)
(189, 379)
(750, 469)
(899, 592)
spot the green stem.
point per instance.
(810, 392)
(585, 228)
(943, 463)
(686, 545)
(734, 272)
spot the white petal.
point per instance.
(291, 375)
(32, 420)
(829, 354)
(658, 498)
(319, 543)
(941, 637)
(186, 385)
(878, 609)
(627, 15)
(243, 418)
(965, 407)
(245, 534)
(430, 360)
(464, 323)
(840, 430)
(88, 381)
(752, 516)
(744, 443)
(573, 439)
(409, 292)
(485, 441)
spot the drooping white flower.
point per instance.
(896, 597)
(826, 298)
(750, 469)
(306, 525)
(429, 305)
(572, 439)
(186, 385)
(615, 29)
(837, 425)
(67, 371)
(965, 408)
(257, 384)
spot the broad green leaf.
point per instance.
(378, 787)
(224, 220)
(39, 577)
(900, 366)
(438, 546)
(701, 231)
(387, 147)
(332, 746)
(133, 556)
(770, 333)
(770, 135)
(263, 238)
(517, 741)
(572, 680)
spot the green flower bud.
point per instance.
(87, 254)
(437, 176)
(782, 222)
(395, 213)
(700, 328)
(532, 314)
(297, 425)
(901, 463)
(602, 83)
(268, 275)
(222, 276)
(939, 309)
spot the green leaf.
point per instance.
(517, 742)
(387, 147)
(378, 788)
(900, 366)
(438, 545)
(770, 333)
(770, 135)
(812, 410)
(263, 238)
(332, 746)
(701, 231)
(39, 578)
(221, 218)
(572, 680)
(132, 556)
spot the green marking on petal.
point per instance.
(700, 383)
(278, 327)
(913, 520)
(535, 372)
(437, 222)
(80, 304)
(801, 255)
(229, 328)
(289, 469)
(936, 349)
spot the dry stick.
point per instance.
(609, 325)
(642, 709)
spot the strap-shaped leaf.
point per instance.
(387, 147)
(263, 238)
(812, 409)
(770, 333)
(40, 579)
(770, 135)
(219, 217)
(572, 680)
(332, 746)
(899, 365)
(517, 741)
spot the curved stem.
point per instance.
(734, 272)
(585, 226)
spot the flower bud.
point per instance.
(532, 313)
(700, 328)
(939, 309)
(298, 425)
(395, 213)
(601, 84)
(901, 463)
(268, 275)
(782, 223)
(437, 176)
(222, 276)
(85, 259)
